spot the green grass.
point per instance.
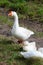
(5, 20)
(39, 34)
(31, 9)
(10, 54)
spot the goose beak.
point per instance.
(10, 13)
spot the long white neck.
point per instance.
(16, 24)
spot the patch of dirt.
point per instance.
(32, 25)
(5, 30)
(3, 63)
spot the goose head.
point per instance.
(12, 13)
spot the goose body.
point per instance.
(29, 46)
(40, 49)
(26, 43)
(31, 54)
(19, 32)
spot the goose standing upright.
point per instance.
(19, 32)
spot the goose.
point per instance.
(29, 54)
(29, 46)
(26, 43)
(20, 33)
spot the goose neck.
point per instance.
(16, 24)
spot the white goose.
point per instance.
(19, 32)
(29, 46)
(29, 54)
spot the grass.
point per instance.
(31, 9)
(39, 34)
(5, 20)
(9, 54)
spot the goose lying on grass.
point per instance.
(20, 33)
(33, 53)
(26, 43)
(29, 46)
(31, 50)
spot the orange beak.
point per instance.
(10, 13)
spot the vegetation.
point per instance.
(4, 20)
(10, 54)
(31, 8)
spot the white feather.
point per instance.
(20, 32)
(31, 54)
(29, 46)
